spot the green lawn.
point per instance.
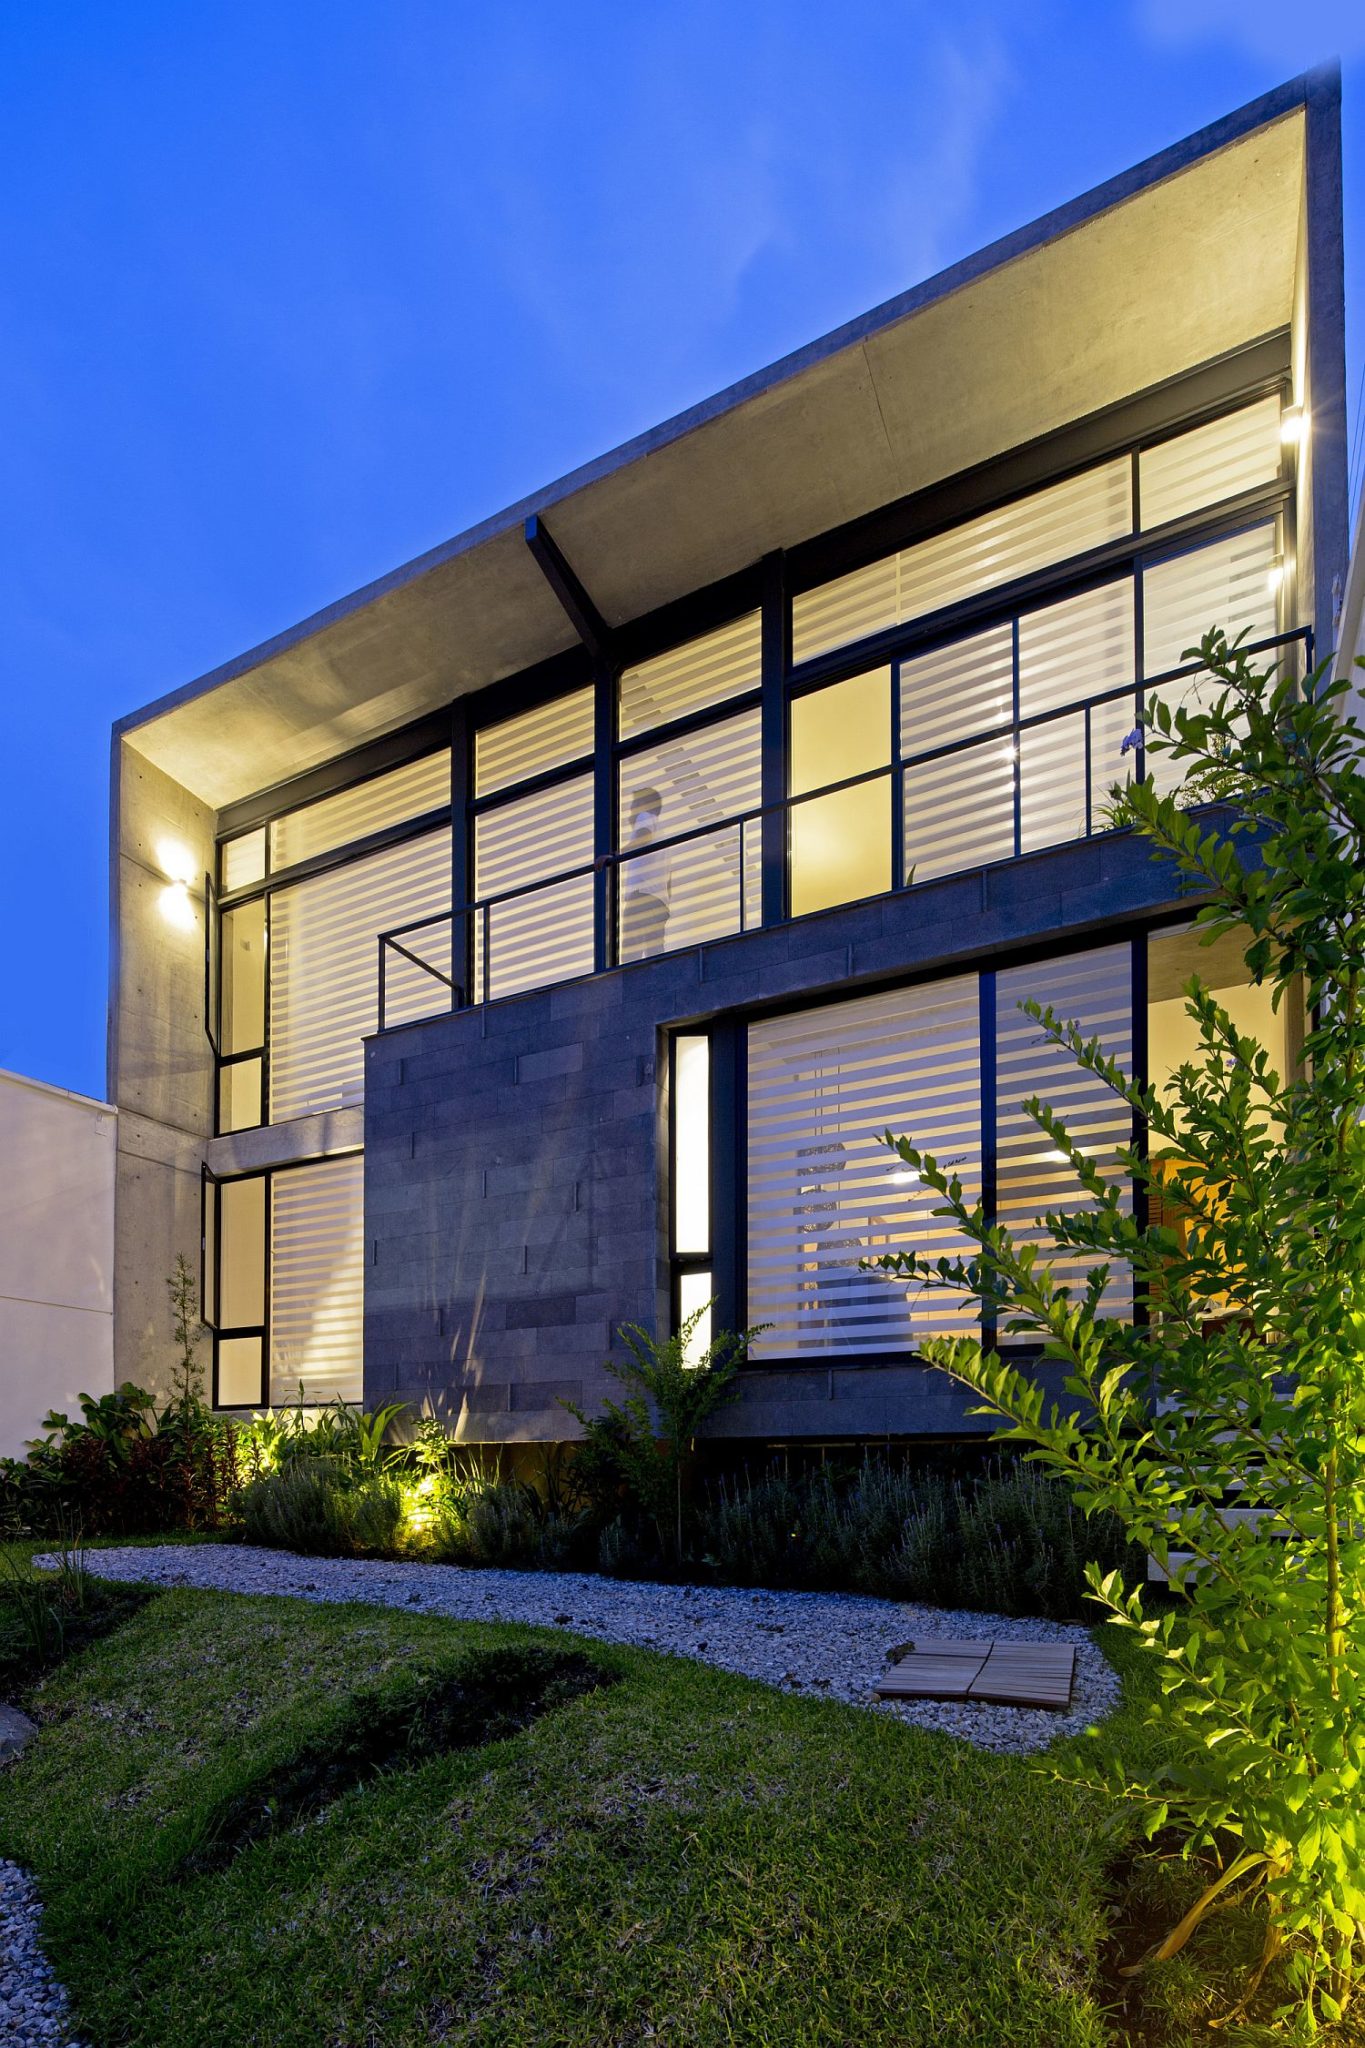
(681, 1856)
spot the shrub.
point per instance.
(647, 1439)
(124, 1469)
(1247, 1385)
(314, 1505)
(1007, 1541)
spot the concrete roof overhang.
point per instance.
(1189, 255)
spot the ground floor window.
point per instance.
(283, 1283)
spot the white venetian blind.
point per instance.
(824, 1192)
(1229, 583)
(547, 934)
(533, 742)
(324, 955)
(1032, 1175)
(317, 1282)
(702, 778)
(390, 799)
(1068, 652)
(1210, 463)
(1050, 525)
(959, 809)
(704, 671)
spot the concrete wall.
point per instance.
(57, 1155)
(160, 1062)
(514, 1159)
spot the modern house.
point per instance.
(541, 939)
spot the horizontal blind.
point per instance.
(713, 884)
(959, 809)
(241, 861)
(704, 671)
(317, 1282)
(1032, 1176)
(546, 935)
(406, 792)
(1068, 652)
(1230, 583)
(1049, 526)
(533, 742)
(1211, 463)
(825, 1192)
(324, 965)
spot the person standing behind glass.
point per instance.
(646, 880)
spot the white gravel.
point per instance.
(824, 1645)
(32, 2002)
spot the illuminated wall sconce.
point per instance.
(179, 866)
(1294, 425)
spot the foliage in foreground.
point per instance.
(1248, 1388)
(684, 1856)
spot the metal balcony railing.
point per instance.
(1026, 784)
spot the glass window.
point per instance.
(705, 671)
(241, 1252)
(1080, 648)
(1052, 525)
(241, 1104)
(673, 895)
(1230, 583)
(1032, 1176)
(958, 808)
(324, 967)
(824, 1192)
(1172, 1034)
(840, 845)
(317, 1282)
(1211, 463)
(241, 861)
(388, 799)
(545, 935)
(241, 1372)
(695, 1291)
(532, 743)
(691, 1145)
(242, 1000)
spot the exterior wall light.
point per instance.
(1294, 425)
(176, 906)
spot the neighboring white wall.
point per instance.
(1351, 631)
(57, 1154)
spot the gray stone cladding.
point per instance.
(515, 1198)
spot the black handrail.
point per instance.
(740, 821)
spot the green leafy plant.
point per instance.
(646, 1440)
(318, 1507)
(1246, 1387)
(189, 1381)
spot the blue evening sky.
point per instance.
(293, 291)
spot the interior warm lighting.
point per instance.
(176, 906)
(692, 1145)
(1276, 575)
(1294, 425)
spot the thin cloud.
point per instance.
(1264, 29)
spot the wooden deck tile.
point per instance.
(1005, 1674)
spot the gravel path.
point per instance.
(826, 1645)
(32, 2002)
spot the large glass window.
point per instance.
(389, 799)
(534, 742)
(688, 874)
(825, 1193)
(284, 1284)
(840, 844)
(708, 670)
(544, 933)
(324, 972)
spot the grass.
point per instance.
(679, 1856)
